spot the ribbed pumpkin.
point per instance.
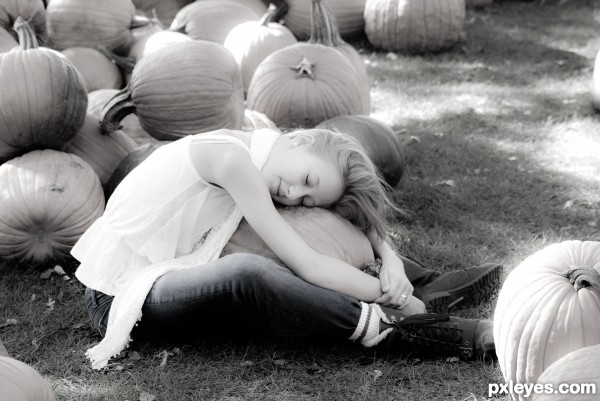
(43, 97)
(184, 89)
(347, 13)
(546, 309)
(21, 382)
(7, 42)
(165, 10)
(252, 41)
(379, 140)
(130, 125)
(211, 20)
(254, 120)
(414, 26)
(102, 152)
(596, 83)
(325, 232)
(303, 85)
(325, 32)
(98, 71)
(48, 199)
(576, 368)
(33, 11)
(89, 23)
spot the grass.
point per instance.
(502, 146)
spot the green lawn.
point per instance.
(503, 150)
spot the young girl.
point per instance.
(171, 216)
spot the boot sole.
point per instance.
(476, 292)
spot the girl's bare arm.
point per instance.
(230, 167)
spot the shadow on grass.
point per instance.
(483, 187)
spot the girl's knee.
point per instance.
(251, 266)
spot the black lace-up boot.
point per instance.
(433, 335)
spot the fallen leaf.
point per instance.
(279, 362)
(453, 359)
(164, 354)
(246, 363)
(134, 356)
(32, 297)
(144, 396)
(438, 134)
(448, 183)
(592, 224)
(414, 139)
(377, 373)
(50, 304)
(568, 204)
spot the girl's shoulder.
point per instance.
(223, 136)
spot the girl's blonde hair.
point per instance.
(366, 199)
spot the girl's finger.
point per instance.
(385, 281)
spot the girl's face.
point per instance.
(297, 176)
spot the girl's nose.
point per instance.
(294, 192)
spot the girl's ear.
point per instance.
(302, 139)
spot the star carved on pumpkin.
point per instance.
(305, 68)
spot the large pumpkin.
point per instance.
(414, 26)
(596, 83)
(164, 10)
(184, 89)
(379, 140)
(347, 13)
(303, 85)
(98, 71)
(325, 231)
(89, 23)
(43, 97)
(547, 309)
(211, 20)
(102, 152)
(252, 41)
(21, 382)
(574, 370)
(48, 199)
(33, 11)
(325, 32)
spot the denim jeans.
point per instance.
(245, 293)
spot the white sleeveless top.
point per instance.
(161, 210)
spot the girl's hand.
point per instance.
(397, 290)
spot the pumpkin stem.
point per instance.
(305, 69)
(115, 110)
(125, 63)
(324, 29)
(583, 277)
(27, 38)
(274, 13)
